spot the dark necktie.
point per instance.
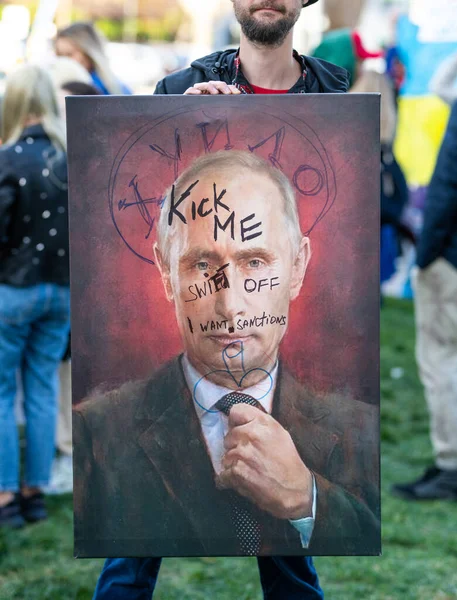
(226, 403)
(246, 526)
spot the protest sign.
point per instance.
(225, 284)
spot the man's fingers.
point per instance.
(240, 453)
(236, 477)
(228, 460)
(223, 481)
(226, 480)
(192, 91)
(232, 439)
(222, 87)
(212, 88)
(242, 414)
(208, 87)
(241, 436)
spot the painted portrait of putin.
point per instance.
(221, 451)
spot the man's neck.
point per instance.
(234, 376)
(267, 67)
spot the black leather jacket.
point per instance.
(33, 212)
(319, 76)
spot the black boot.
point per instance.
(33, 508)
(435, 484)
(10, 514)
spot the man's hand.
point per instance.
(211, 87)
(262, 463)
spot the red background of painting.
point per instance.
(122, 325)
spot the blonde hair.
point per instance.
(29, 92)
(64, 69)
(372, 81)
(235, 160)
(92, 44)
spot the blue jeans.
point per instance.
(282, 578)
(34, 327)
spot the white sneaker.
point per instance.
(61, 477)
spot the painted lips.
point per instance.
(226, 340)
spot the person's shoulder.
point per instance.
(349, 414)
(331, 78)
(118, 403)
(209, 67)
(334, 411)
(126, 402)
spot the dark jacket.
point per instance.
(439, 235)
(146, 485)
(33, 212)
(319, 76)
(394, 189)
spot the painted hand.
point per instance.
(262, 464)
(211, 88)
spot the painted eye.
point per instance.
(255, 263)
(202, 265)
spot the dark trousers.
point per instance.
(282, 578)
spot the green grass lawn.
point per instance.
(419, 559)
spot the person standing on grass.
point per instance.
(436, 324)
(34, 285)
(265, 63)
(61, 481)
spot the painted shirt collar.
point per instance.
(206, 393)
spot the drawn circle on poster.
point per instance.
(156, 154)
(268, 377)
(308, 181)
(238, 347)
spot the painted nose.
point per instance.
(229, 301)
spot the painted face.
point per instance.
(267, 22)
(230, 294)
(65, 47)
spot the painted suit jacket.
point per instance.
(145, 484)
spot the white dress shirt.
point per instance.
(214, 424)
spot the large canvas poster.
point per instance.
(225, 283)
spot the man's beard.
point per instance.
(264, 33)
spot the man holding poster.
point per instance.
(222, 451)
